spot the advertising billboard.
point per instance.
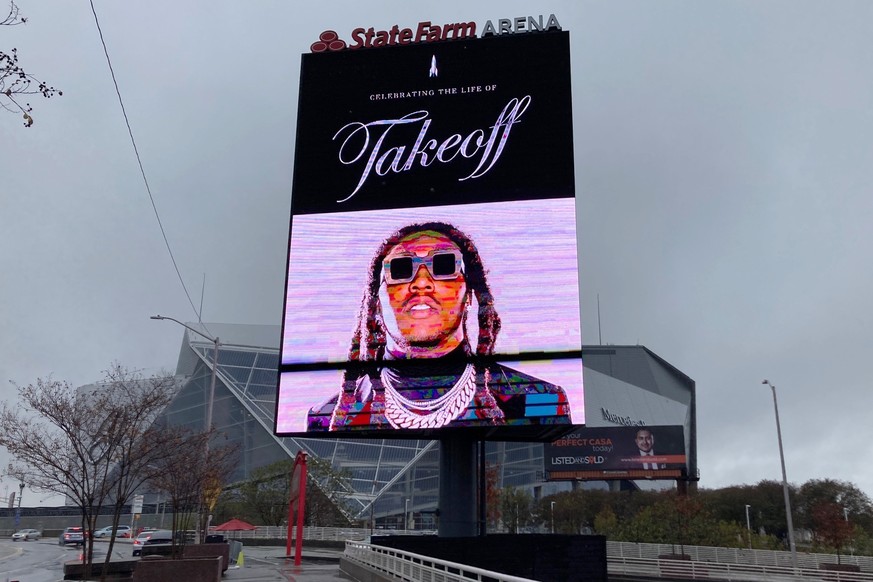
(620, 452)
(432, 267)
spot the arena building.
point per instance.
(390, 478)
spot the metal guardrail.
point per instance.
(693, 570)
(417, 568)
(628, 558)
(734, 555)
(335, 534)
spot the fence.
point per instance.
(613, 549)
(417, 568)
(623, 558)
(692, 570)
(734, 555)
(334, 534)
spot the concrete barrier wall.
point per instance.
(187, 569)
(362, 573)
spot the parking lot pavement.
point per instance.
(8, 551)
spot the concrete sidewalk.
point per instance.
(267, 563)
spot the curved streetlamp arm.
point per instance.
(214, 340)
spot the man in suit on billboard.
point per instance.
(412, 364)
(645, 442)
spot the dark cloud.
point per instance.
(723, 207)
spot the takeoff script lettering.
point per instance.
(371, 144)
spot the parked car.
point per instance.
(150, 538)
(71, 535)
(122, 531)
(26, 535)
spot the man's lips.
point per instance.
(421, 307)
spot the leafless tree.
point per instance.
(138, 445)
(192, 477)
(95, 444)
(14, 80)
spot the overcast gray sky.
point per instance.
(723, 180)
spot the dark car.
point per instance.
(71, 535)
(152, 538)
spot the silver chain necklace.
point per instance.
(436, 412)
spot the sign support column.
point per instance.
(458, 497)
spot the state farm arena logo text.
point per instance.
(426, 31)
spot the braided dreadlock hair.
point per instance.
(370, 337)
(369, 340)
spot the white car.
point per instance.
(122, 531)
(26, 535)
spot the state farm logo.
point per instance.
(328, 40)
(427, 31)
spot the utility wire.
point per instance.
(139, 161)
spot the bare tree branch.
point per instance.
(13, 18)
(14, 80)
(192, 477)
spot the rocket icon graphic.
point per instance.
(433, 68)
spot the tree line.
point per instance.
(263, 498)
(830, 515)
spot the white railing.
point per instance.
(622, 558)
(728, 572)
(417, 568)
(335, 534)
(734, 555)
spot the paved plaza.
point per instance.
(263, 563)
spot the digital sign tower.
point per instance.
(432, 265)
(432, 282)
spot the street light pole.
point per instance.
(788, 518)
(749, 525)
(214, 340)
(846, 515)
(210, 403)
(552, 506)
(18, 511)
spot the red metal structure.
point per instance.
(298, 501)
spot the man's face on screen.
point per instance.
(427, 292)
(645, 441)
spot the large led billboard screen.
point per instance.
(432, 268)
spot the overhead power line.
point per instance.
(139, 161)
